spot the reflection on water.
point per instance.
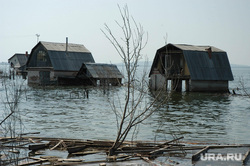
(202, 117)
(195, 115)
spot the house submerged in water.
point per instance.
(59, 63)
(203, 68)
(100, 74)
(18, 62)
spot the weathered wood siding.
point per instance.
(37, 76)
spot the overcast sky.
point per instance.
(224, 24)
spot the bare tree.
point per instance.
(11, 125)
(137, 106)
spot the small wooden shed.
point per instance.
(18, 62)
(203, 68)
(100, 74)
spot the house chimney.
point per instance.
(209, 51)
(66, 44)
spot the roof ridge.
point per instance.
(60, 43)
(72, 47)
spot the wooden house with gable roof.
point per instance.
(203, 68)
(56, 63)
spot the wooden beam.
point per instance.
(60, 142)
(196, 156)
(159, 151)
(33, 162)
(172, 141)
(246, 157)
(38, 146)
(76, 149)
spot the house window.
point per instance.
(41, 56)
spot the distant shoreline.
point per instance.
(239, 66)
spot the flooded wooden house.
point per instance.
(202, 68)
(56, 63)
(18, 62)
(100, 74)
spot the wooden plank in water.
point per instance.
(60, 142)
(32, 162)
(197, 155)
(38, 146)
(159, 151)
(171, 141)
(85, 153)
(76, 149)
(246, 157)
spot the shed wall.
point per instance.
(35, 76)
(65, 74)
(157, 82)
(208, 86)
(15, 62)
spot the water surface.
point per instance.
(199, 117)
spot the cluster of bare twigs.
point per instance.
(11, 125)
(244, 88)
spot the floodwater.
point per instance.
(200, 117)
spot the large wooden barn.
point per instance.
(56, 63)
(203, 68)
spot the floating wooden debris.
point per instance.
(29, 133)
(76, 149)
(39, 161)
(137, 150)
(168, 142)
(196, 156)
(159, 151)
(246, 157)
(38, 146)
(59, 143)
(85, 153)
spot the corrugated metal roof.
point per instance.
(196, 48)
(99, 70)
(62, 47)
(71, 61)
(59, 59)
(22, 59)
(201, 67)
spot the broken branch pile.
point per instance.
(75, 148)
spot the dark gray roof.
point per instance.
(201, 67)
(71, 61)
(99, 70)
(62, 60)
(22, 58)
